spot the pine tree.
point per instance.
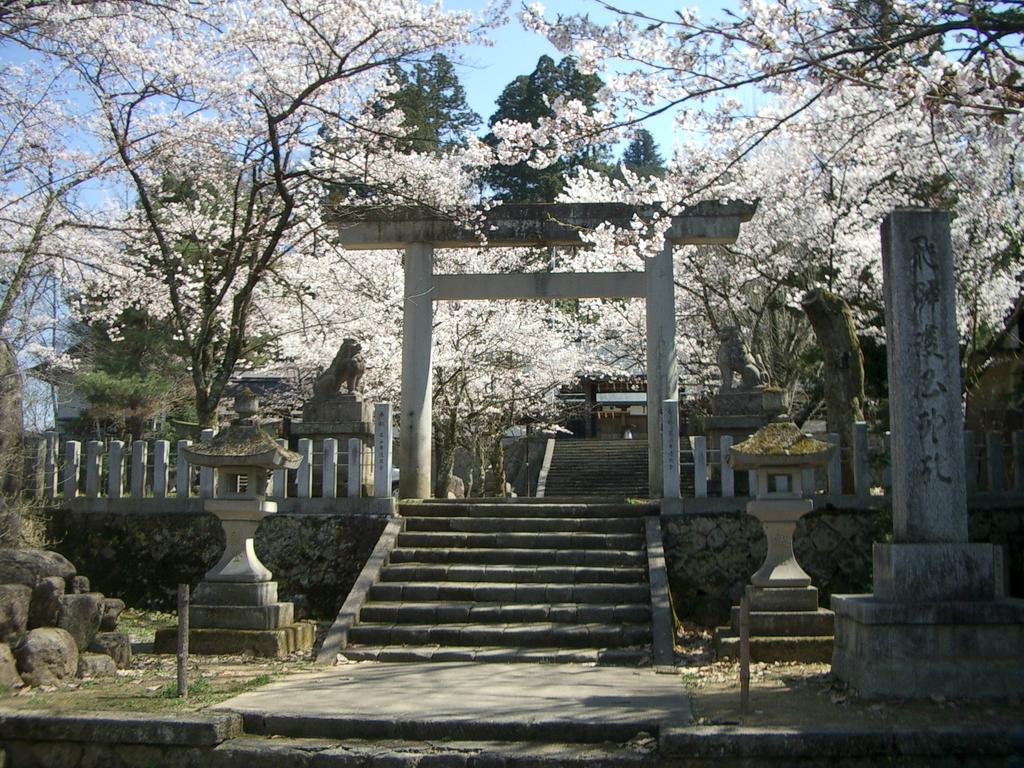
(526, 100)
(434, 103)
(641, 155)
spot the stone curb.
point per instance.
(340, 728)
(662, 625)
(337, 636)
(198, 730)
(941, 743)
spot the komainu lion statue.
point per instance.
(733, 359)
(347, 369)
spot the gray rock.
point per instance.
(9, 677)
(112, 608)
(78, 585)
(45, 603)
(81, 615)
(47, 656)
(14, 603)
(116, 645)
(96, 665)
(29, 566)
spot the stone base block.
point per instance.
(272, 616)
(782, 598)
(886, 649)
(269, 643)
(238, 593)
(934, 572)
(816, 623)
(806, 650)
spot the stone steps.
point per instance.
(548, 508)
(489, 556)
(550, 541)
(512, 574)
(598, 468)
(486, 613)
(522, 524)
(510, 593)
(636, 656)
(534, 582)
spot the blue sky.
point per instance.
(488, 70)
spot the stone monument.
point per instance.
(338, 410)
(235, 607)
(740, 409)
(786, 622)
(936, 624)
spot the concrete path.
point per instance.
(568, 703)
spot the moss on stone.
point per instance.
(780, 439)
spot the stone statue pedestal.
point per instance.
(342, 417)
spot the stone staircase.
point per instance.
(503, 582)
(595, 468)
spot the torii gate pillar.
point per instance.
(662, 365)
(417, 373)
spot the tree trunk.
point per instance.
(10, 421)
(832, 322)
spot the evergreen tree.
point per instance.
(641, 155)
(526, 100)
(434, 103)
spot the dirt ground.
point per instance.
(783, 694)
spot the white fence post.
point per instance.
(861, 464)
(330, 473)
(182, 472)
(115, 470)
(670, 449)
(140, 454)
(304, 477)
(355, 467)
(279, 479)
(700, 466)
(728, 483)
(994, 461)
(161, 468)
(72, 466)
(206, 474)
(93, 468)
(835, 465)
(970, 463)
(50, 466)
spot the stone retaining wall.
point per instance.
(316, 558)
(711, 556)
(141, 558)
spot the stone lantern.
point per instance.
(235, 607)
(786, 622)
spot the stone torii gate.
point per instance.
(419, 232)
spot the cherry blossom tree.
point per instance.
(226, 123)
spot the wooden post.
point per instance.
(279, 478)
(887, 474)
(728, 483)
(835, 465)
(330, 469)
(861, 465)
(182, 472)
(206, 476)
(115, 469)
(140, 453)
(700, 466)
(183, 601)
(72, 466)
(50, 466)
(744, 653)
(93, 468)
(304, 476)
